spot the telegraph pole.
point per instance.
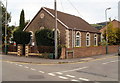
(56, 49)
(6, 29)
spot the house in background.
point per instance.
(73, 31)
(115, 24)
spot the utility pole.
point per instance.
(6, 29)
(56, 49)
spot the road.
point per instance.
(105, 69)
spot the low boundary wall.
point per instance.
(90, 51)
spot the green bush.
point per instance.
(44, 37)
(21, 37)
(45, 41)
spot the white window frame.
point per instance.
(95, 39)
(58, 31)
(88, 39)
(32, 37)
(77, 39)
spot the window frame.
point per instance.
(87, 39)
(95, 40)
(78, 38)
(32, 38)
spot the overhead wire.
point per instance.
(74, 8)
(62, 5)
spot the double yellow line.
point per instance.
(59, 62)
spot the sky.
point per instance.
(92, 11)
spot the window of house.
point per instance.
(42, 15)
(31, 40)
(95, 40)
(78, 39)
(88, 39)
(41, 27)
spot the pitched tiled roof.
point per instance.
(73, 21)
(69, 21)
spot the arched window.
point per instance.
(31, 40)
(58, 35)
(88, 39)
(78, 39)
(95, 40)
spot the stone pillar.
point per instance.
(67, 39)
(63, 52)
(27, 50)
(20, 50)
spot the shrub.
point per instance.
(21, 37)
(44, 37)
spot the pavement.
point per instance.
(37, 60)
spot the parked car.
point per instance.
(119, 51)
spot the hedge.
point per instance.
(21, 37)
(44, 37)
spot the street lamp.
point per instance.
(106, 30)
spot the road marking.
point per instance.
(86, 59)
(59, 73)
(16, 64)
(6, 61)
(11, 62)
(110, 62)
(63, 63)
(20, 65)
(84, 79)
(70, 76)
(41, 71)
(62, 77)
(32, 69)
(75, 80)
(102, 58)
(51, 74)
(26, 67)
(75, 69)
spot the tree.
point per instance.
(3, 15)
(118, 36)
(113, 35)
(22, 21)
(21, 37)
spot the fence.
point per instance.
(43, 51)
(31, 50)
(12, 49)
